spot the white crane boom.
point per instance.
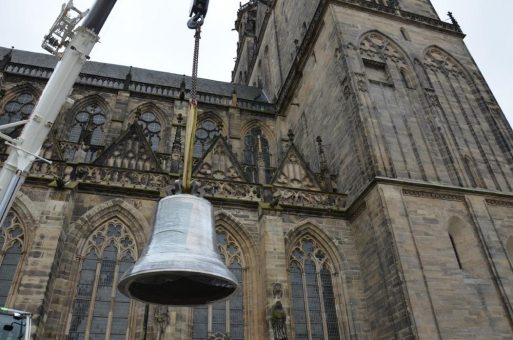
(77, 45)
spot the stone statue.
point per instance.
(161, 317)
(278, 321)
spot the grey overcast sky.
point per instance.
(153, 34)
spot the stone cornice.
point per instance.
(500, 203)
(405, 15)
(139, 88)
(91, 177)
(433, 195)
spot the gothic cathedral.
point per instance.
(360, 170)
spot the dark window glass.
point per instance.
(11, 243)
(87, 126)
(217, 313)
(255, 141)
(15, 110)
(237, 305)
(329, 305)
(151, 128)
(206, 132)
(313, 315)
(83, 298)
(298, 302)
(110, 308)
(200, 326)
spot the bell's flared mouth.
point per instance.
(178, 289)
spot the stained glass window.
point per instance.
(99, 309)
(254, 141)
(313, 302)
(206, 132)
(12, 237)
(87, 126)
(151, 128)
(15, 110)
(223, 320)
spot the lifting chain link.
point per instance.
(195, 62)
(190, 132)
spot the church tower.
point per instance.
(419, 144)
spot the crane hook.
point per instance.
(196, 21)
(198, 13)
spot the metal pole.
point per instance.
(60, 85)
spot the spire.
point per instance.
(176, 149)
(182, 88)
(325, 177)
(6, 59)
(234, 97)
(128, 80)
(220, 127)
(291, 136)
(454, 21)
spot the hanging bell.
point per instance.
(180, 265)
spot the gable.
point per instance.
(293, 172)
(130, 151)
(219, 163)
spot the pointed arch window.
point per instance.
(223, 320)
(206, 132)
(314, 313)
(256, 145)
(99, 311)
(87, 126)
(151, 128)
(15, 110)
(12, 238)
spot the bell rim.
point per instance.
(127, 279)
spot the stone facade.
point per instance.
(359, 167)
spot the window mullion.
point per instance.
(321, 298)
(210, 315)
(307, 308)
(227, 318)
(112, 301)
(93, 299)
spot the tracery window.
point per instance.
(151, 128)
(254, 142)
(314, 313)
(87, 126)
(223, 320)
(99, 311)
(15, 110)
(12, 238)
(206, 132)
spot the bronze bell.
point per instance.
(180, 265)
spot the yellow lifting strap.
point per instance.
(192, 118)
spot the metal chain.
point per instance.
(195, 61)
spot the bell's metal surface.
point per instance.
(180, 265)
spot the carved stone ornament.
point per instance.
(277, 291)
(294, 172)
(377, 47)
(131, 151)
(219, 163)
(218, 336)
(161, 318)
(311, 199)
(279, 321)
